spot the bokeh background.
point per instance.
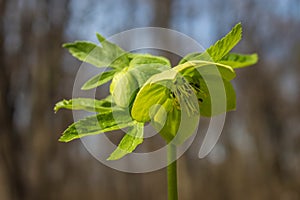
(257, 156)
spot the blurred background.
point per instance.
(257, 156)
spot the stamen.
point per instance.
(183, 93)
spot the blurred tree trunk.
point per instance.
(163, 11)
(46, 72)
(33, 70)
(9, 140)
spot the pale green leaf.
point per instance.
(142, 73)
(221, 48)
(87, 104)
(143, 66)
(145, 59)
(129, 142)
(235, 60)
(99, 80)
(100, 38)
(97, 124)
(89, 52)
(108, 55)
(112, 50)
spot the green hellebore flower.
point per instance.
(145, 88)
(165, 100)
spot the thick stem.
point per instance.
(172, 173)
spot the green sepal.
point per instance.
(123, 88)
(216, 96)
(126, 83)
(148, 96)
(206, 68)
(179, 126)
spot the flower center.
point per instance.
(183, 94)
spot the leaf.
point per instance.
(91, 105)
(129, 142)
(143, 66)
(221, 48)
(88, 52)
(115, 51)
(235, 60)
(142, 73)
(99, 80)
(97, 124)
(109, 55)
(144, 59)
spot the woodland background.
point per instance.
(257, 156)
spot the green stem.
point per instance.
(172, 173)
